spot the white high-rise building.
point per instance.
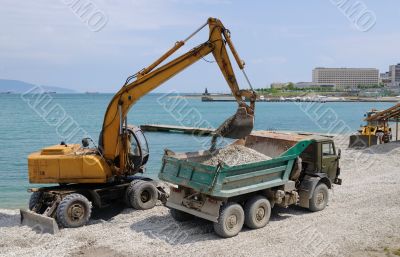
(394, 71)
(345, 78)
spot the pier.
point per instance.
(176, 129)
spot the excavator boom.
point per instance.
(112, 142)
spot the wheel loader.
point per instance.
(94, 176)
(368, 134)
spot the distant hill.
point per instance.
(17, 86)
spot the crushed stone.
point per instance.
(235, 155)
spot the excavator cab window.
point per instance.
(139, 151)
(143, 145)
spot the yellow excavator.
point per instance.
(99, 175)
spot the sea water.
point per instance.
(26, 127)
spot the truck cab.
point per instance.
(321, 158)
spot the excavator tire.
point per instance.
(74, 211)
(34, 199)
(128, 192)
(143, 196)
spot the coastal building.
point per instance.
(346, 78)
(314, 85)
(394, 71)
(385, 78)
(391, 79)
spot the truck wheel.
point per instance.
(320, 198)
(257, 212)
(34, 199)
(143, 196)
(74, 211)
(230, 220)
(180, 215)
(128, 191)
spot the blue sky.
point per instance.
(44, 42)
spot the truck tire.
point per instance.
(230, 220)
(180, 216)
(34, 199)
(128, 192)
(257, 212)
(320, 198)
(143, 196)
(74, 211)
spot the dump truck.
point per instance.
(301, 171)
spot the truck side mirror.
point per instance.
(340, 153)
(85, 142)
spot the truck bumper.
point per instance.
(196, 213)
(208, 210)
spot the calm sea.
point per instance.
(24, 129)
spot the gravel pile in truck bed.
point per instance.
(235, 155)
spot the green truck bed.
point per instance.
(228, 181)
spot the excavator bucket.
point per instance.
(39, 223)
(362, 141)
(238, 125)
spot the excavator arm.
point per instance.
(113, 142)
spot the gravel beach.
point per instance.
(362, 219)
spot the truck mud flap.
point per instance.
(362, 141)
(39, 223)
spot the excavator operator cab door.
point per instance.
(139, 149)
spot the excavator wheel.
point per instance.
(74, 211)
(143, 196)
(34, 200)
(128, 190)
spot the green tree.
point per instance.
(290, 86)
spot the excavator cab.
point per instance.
(139, 150)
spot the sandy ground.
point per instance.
(362, 219)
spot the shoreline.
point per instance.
(279, 99)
